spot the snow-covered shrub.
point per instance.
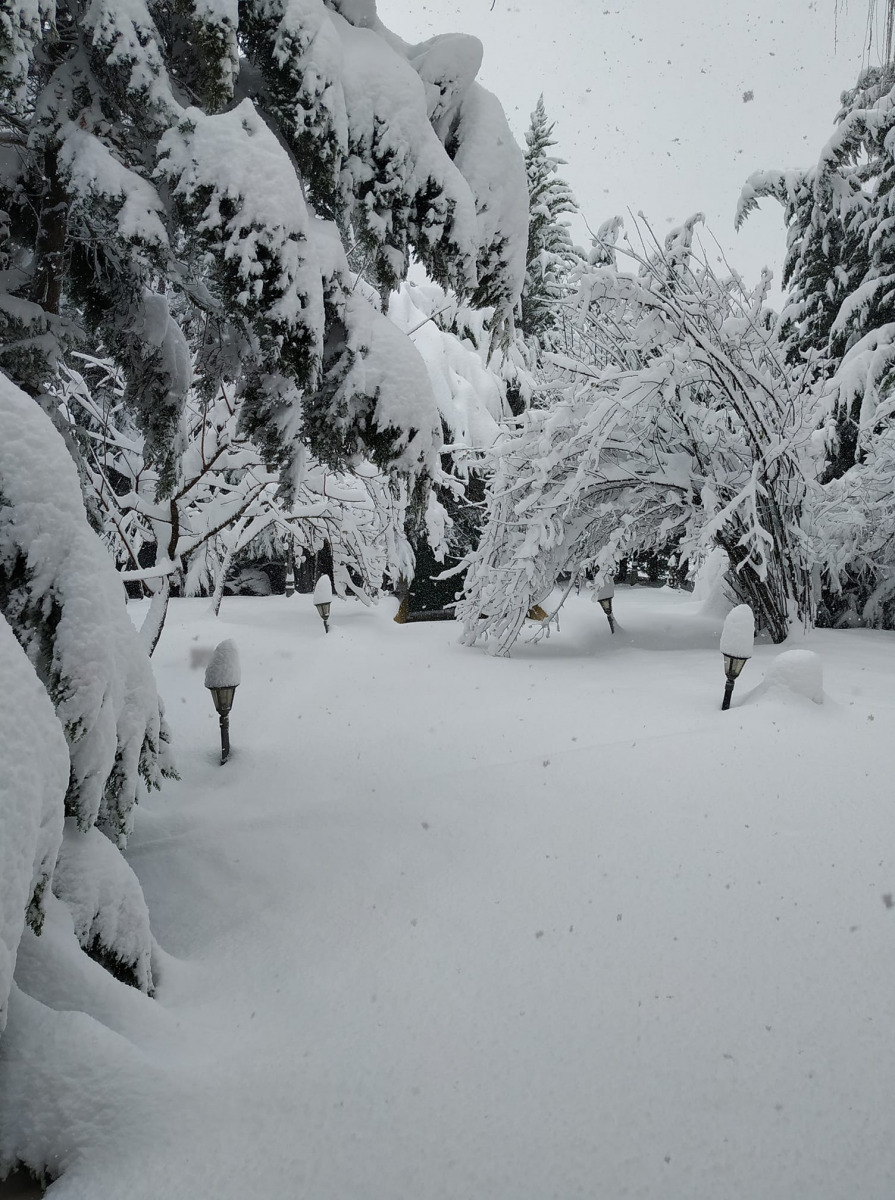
(799, 672)
(103, 895)
(673, 418)
(33, 780)
(229, 506)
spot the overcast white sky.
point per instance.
(647, 95)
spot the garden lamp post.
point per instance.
(732, 667)
(604, 597)
(323, 598)
(222, 677)
(737, 637)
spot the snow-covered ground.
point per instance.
(449, 927)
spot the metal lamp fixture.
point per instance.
(323, 595)
(223, 702)
(732, 667)
(222, 677)
(737, 638)
(604, 597)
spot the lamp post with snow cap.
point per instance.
(222, 678)
(323, 598)
(604, 597)
(737, 637)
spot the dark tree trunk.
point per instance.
(51, 238)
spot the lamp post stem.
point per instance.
(225, 737)
(728, 692)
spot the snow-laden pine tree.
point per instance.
(675, 416)
(32, 786)
(838, 321)
(61, 601)
(550, 255)
(172, 168)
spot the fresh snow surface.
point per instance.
(450, 927)
(738, 633)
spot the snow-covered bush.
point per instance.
(103, 895)
(228, 504)
(674, 418)
(798, 672)
(33, 780)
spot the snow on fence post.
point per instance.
(222, 677)
(737, 638)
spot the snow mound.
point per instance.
(799, 672)
(223, 669)
(104, 897)
(738, 633)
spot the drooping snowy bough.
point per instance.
(33, 779)
(674, 417)
(61, 596)
(253, 160)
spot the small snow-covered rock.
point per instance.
(223, 670)
(738, 633)
(798, 671)
(323, 590)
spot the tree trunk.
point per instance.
(51, 237)
(151, 629)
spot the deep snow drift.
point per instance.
(448, 927)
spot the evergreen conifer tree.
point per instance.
(550, 254)
(198, 167)
(837, 322)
